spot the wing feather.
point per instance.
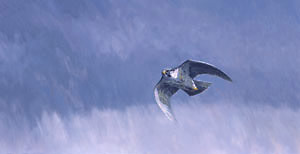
(194, 68)
(163, 91)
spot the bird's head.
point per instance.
(166, 73)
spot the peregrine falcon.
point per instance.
(182, 77)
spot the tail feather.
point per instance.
(201, 87)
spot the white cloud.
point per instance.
(217, 128)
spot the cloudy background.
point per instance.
(78, 76)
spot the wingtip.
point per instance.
(226, 77)
(171, 119)
(169, 115)
(229, 79)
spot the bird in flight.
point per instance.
(182, 77)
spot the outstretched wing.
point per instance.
(163, 91)
(194, 68)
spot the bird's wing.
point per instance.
(194, 68)
(163, 91)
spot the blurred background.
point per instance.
(78, 76)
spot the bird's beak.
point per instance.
(164, 72)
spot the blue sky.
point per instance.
(62, 60)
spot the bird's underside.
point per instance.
(182, 77)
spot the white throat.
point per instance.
(174, 74)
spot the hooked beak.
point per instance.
(164, 72)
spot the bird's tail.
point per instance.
(201, 87)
